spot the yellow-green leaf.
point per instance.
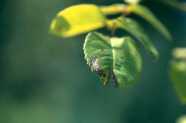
(149, 16)
(137, 31)
(77, 19)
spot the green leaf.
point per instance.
(113, 58)
(77, 19)
(149, 16)
(178, 77)
(136, 30)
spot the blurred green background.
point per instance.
(45, 79)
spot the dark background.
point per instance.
(45, 79)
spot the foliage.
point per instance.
(77, 19)
(178, 72)
(137, 31)
(112, 58)
(119, 56)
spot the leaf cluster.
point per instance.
(112, 58)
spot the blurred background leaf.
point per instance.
(132, 1)
(45, 78)
(176, 4)
(181, 119)
(178, 72)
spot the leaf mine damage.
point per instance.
(105, 75)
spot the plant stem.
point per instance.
(114, 9)
(117, 9)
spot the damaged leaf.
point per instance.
(115, 59)
(105, 75)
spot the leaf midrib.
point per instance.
(113, 53)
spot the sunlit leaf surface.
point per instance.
(113, 58)
(77, 19)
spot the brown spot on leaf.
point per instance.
(121, 57)
(120, 49)
(102, 49)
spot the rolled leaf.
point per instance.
(145, 13)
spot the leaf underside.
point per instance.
(137, 31)
(113, 58)
(145, 13)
